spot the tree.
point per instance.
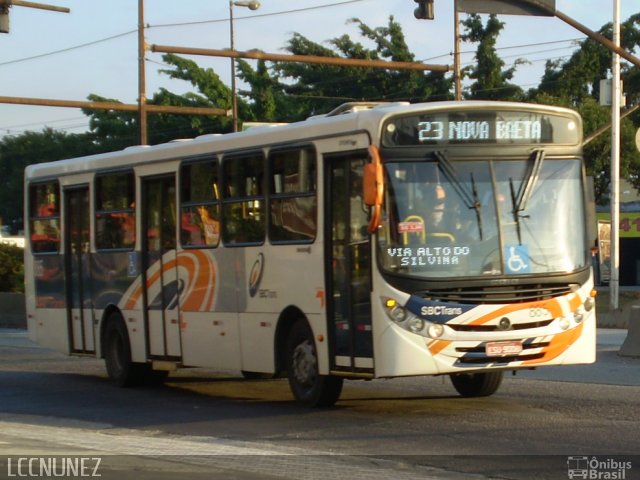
(269, 102)
(491, 81)
(575, 84)
(319, 88)
(114, 130)
(17, 152)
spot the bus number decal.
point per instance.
(536, 312)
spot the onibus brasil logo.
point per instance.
(591, 467)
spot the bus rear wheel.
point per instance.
(477, 384)
(117, 354)
(307, 385)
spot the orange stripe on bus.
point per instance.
(552, 305)
(200, 282)
(558, 345)
(438, 345)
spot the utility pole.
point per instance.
(142, 94)
(456, 53)
(614, 281)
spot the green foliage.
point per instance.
(11, 268)
(575, 84)
(29, 148)
(491, 81)
(315, 88)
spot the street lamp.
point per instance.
(251, 5)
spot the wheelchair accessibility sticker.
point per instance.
(517, 259)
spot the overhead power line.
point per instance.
(68, 49)
(256, 15)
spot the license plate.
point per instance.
(503, 349)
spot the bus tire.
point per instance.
(309, 388)
(117, 354)
(477, 384)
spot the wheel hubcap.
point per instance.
(304, 363)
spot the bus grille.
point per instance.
(496, 328)
(499, 294)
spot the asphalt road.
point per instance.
(540, 424)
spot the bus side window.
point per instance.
(244, 203)
(200, 204)
(115, 211)
(292, 191)
(44, 213)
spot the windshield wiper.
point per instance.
(469, 198)
(519, 202)
(532, 178)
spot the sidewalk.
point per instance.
(628, 307)
(610, 368)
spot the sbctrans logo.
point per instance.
(597, 468)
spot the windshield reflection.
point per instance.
(460, 219)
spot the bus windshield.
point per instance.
(483, 217)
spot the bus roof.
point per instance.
(349, 118)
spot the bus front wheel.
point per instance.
(117, 354)
(477, 384)
(307, 385)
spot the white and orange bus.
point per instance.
(396, 240)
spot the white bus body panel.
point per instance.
(211, 339)
(399, 352)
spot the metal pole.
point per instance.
(587, 31)
(119, 107)
(456, 53)
(315, 59)
(614, 282)
(41, 6)
(234, 95)
(142, 95)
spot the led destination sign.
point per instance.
(480, 130)
(474, 126)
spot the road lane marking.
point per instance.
(249, 457)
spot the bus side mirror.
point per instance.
(373, 187)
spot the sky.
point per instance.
(93, 49)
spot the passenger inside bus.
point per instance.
(430, 220)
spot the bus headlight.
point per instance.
(589, 303)
(394, 310)
(410, 322)
(435, 330)
(564, 323)
(416, 325)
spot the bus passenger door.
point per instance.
(77, 276)
(160, 278)
(349, 265)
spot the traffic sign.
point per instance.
(508, 7)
